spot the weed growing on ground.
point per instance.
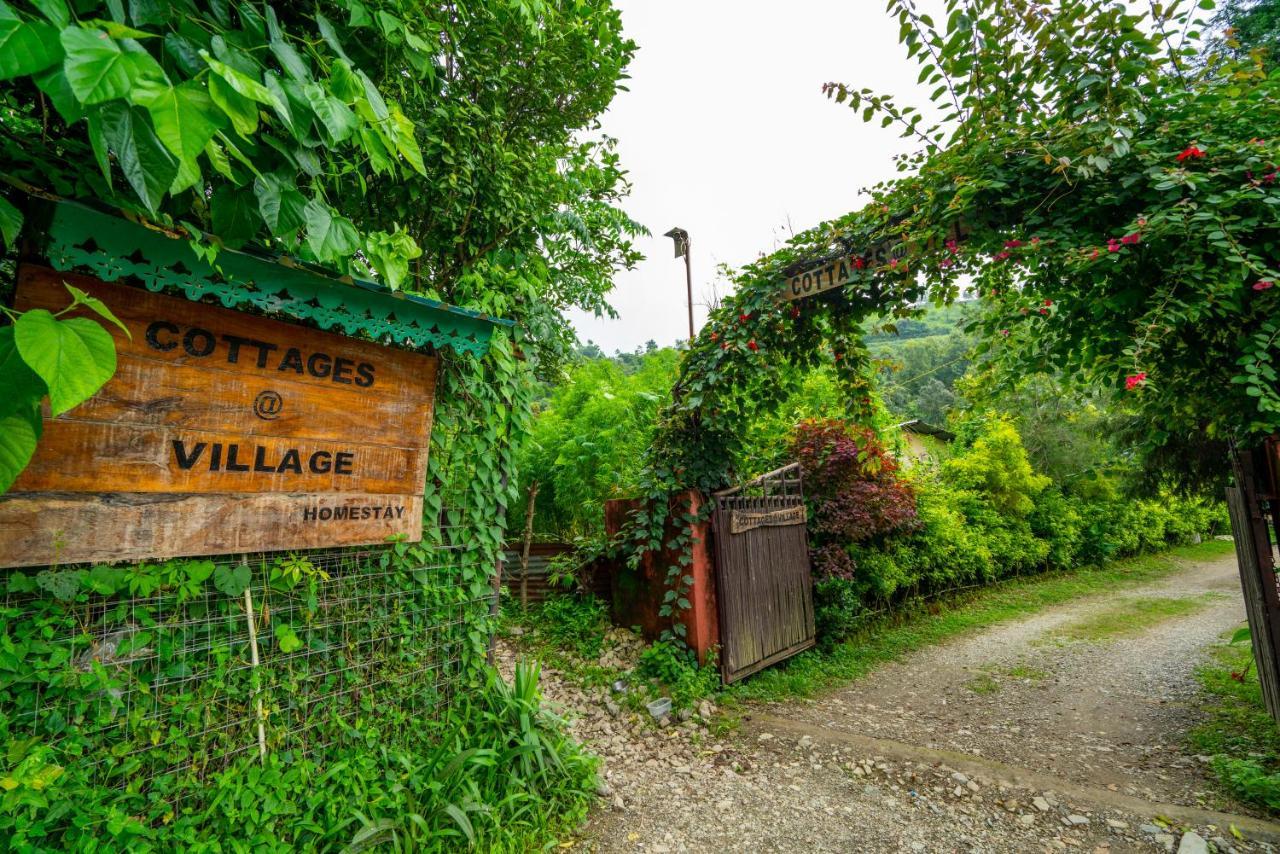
(1237, 731)
(1127, 617)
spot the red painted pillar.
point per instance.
(638, 592)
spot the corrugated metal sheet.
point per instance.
(540, 557)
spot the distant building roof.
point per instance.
(922, 428)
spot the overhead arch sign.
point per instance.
(221, 432)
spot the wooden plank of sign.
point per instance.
(841, 271)
(115, 527)
(228, 335)
(187, 397)
(79, 456)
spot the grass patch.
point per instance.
(1025, 671)
(1127, 617)
(983, 683)
(565, 632)
(889, 637)
(1237, 732)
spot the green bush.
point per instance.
(678, 670)
(577, 623)
(499, 773)
(984, 515)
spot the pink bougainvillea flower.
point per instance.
(1001, 255)
(1012, 244)
(1190, 152)
(945, 263)
(893, 264)
(1263, 285)
(1130, 239)
(951, 246)
(1269, 178)
(1134, 380)
(1004, 332)
(1113, 245)
(752, 345)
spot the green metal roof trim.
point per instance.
(112, 248)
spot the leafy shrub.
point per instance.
(577, 623)
(1248, 781)
(997, 466)
(677, 668)
(853, 490)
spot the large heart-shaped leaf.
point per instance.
(20, 388)
(10, 222)
(19, 435)
(95, 65)
(184, 116)
(337, 117)
(330, 236)
(147, 165)
(25, 46)
(242, 111)
(281, 204)
(74, 357)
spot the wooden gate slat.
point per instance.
(1252, 583)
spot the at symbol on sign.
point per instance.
(267, 405)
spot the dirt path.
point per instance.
(1059, 732)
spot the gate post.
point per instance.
(1256, 482)
(638, 593)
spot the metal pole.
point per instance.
(688, 278)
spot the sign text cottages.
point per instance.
(225, 432)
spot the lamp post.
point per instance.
(681, 239)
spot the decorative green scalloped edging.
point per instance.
(111, 248)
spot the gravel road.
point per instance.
(1060, 732)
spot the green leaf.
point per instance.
(184, 116)
(330, 37)
(74, 357)
(405, 141)
(25, 46)
(287, 638)
(330, 236)
(80, 298)
(290, 61)
(235, 215)
(281, 204)
(343, 82)
(146, 164)
(242, 111)
(244, 84)
(95, 65)
(19, 435)
(10, 222)
(54, 84)
(338, 119)
(1241, 635)
(232, 580)
(21, 389)
(54, 11)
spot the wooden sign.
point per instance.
(221, 432)
(832, 275)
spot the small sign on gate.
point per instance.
(741, 521)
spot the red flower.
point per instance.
(1141, 222)
(1130, 239)
(1113, 245)
(1012, 244)
(1263, 285)
(1134, 380)
(795, 311)
(858, 263)
(1269, 178)
(1190, 152)
(724, 345)
(945, 263)
(1048, 302)
(1004, 332)
(744, 317)
(752, 345)
(1001, 255)
(893, 263)
(951, 246)
(1044, 311)
(714, 336)
(1093, 255)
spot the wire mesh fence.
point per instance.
(314, 648)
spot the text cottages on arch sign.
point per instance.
(220, 433)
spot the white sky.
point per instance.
(726, 133)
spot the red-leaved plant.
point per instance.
(853, 490)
